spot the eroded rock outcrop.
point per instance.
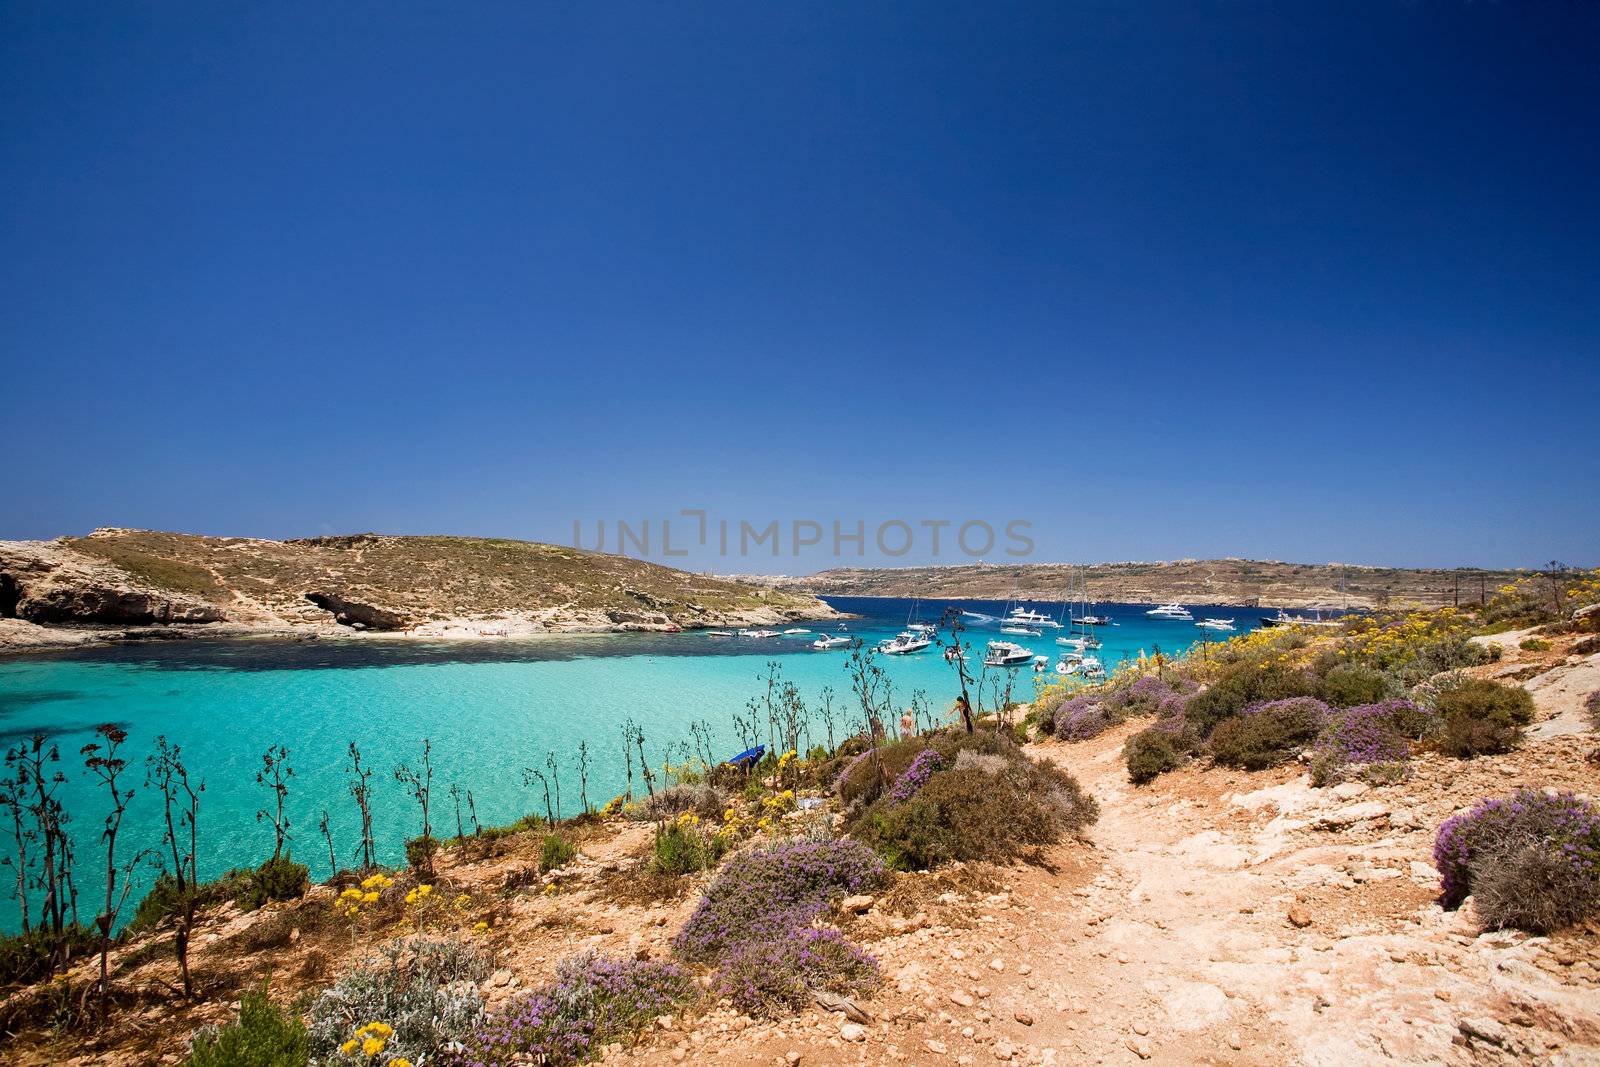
(352, 613)
(42, 584)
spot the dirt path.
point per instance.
(1213, 917)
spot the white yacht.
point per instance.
(1076, 643)
(1171, 611)
(1021, 630)
(759, 633)
(1006, 654)
(719, 633)
(1020, 614)
(1215, 624)
(791, 633)
(823, 644)
(904, 643)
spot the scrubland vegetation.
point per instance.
(1359, 704)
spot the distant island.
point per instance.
(1243, 582)
(120, 584)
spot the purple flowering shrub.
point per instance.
(1268, 733)
(869, 775)
(1144, 696)
(757, 923)
(916, 775)
(763, 892)
(1368, 735)
(770, 977)
(593, 1001)
(1084, 717)
(1537, 853)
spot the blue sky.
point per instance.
(1312, 282)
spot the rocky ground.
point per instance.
(1212, 916)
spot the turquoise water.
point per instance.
(490, 709)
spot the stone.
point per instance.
(1141, 1027)
(1299, 915)
(1366, 811)
(1235, 1042)
(852, 1031)
(997, 964)
(858, 904)
(1139, 1048)
(1350, 790)
(1023, 1017)
(938, 1048)
(792, 1057)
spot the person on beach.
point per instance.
(908, 726)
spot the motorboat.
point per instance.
(791, 633)
(1079, 643)
(824, 643)
(759, 633)
(926, 629)
(1006, 654)
(1088, 619)
(904, 643)
(1091, 668)
(1021, 630)
(1284, 619)
(719, 633)
(1215, 624)
(1171, 611)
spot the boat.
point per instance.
(790, 633)
(719, 633)
(1078, 643)
(1284, 619)
(1020, 630)
(1006, 654)
(823, 644)
(1171, 611)
(759, 633)
(1087, 619)
(1091, 668)
(1215, 624)
(749, 757)
(904, 643)
(926, 629)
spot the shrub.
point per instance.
(164, 900)
(1144, 696)
(682, 846)
(756, 923)
(1151, 752)
(767, 889)
(871, 772)
(262, 1037)
(1534, 644)
(554, 851)
(1591, 709)
(1084, 717)
(1268, 734)
(916, 775)
(1521, 882)
(25, 958)
(593, 1001)
(1242, 686)
(420, 852)
(276, 879)
(986, 801)
(774, 977)
(1560, 823)
(1366, 735)
(1483, 718)
(425, 991)
(1349, 684)
(705, 801)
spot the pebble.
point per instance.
(1235, 1042)
(997, 964)
(791, 1057)
(938, 1048)
(1141, 1028)
(1024, 1018)
(1140, 1049)
(852, 1031)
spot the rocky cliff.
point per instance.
(75, 589)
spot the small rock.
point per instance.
(962, 998)
(852, 1031)
(1141, 1027)
(1299, 915)
(791, 1057)
(1025, 969)
(1235, 1042)
(1024, 1018)
(1139, 1048)
(997, 964)
(859, 904)
(938, 1048)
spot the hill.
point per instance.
(1264, 583)
(431, 586)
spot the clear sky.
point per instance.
(1302, 281)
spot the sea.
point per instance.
(488, 708)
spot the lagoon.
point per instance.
(490, 708)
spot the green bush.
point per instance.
(1483, 718)
(1151, 752)
(263, 1037)
(1241, 686)
(986, 800)
(872, 771)
(420, 852)
(1534, 644)
(1346, 685)
(25, 958)
(164, 900)
(554, 851)
(1269, 735)
(681, 849)
(279, 879)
